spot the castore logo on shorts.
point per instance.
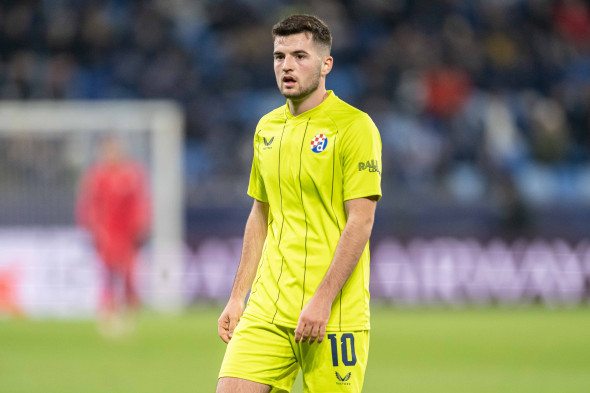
(343, 380)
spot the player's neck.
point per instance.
(297, 107)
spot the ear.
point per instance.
(327, 65)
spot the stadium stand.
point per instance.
(483, 106)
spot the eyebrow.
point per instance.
(296, 52)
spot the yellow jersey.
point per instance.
(305, 167)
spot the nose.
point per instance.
(288, 63)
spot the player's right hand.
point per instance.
(229, 319)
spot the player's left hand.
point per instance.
(313, 320)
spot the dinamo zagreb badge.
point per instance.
(319, 143)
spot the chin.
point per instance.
(290, 94)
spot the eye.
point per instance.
(278, 57)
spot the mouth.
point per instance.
(289, 81)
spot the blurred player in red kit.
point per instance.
(114, 206)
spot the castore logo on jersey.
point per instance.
(268, 143)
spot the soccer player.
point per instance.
(315, 180)
(113, 205)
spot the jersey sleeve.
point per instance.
(256, 187)
(361, 159)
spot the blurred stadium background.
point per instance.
(484, 113)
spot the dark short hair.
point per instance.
(302, 23)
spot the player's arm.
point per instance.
(316, 313)
(254, 237)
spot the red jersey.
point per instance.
(114, 205)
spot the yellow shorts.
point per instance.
(266, 353)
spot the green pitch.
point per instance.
(439, 351)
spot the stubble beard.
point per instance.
(304, 91)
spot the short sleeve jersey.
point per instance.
(305, 167)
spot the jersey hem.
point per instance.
(257, 197)
(291, 325)
(363, 195)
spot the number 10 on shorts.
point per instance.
(346, 340)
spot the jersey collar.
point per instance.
(331, 98)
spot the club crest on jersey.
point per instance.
(319, 143)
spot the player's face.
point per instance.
(298, 65)
(111, 150)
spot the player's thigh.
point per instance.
(260, 352)
(338, 364)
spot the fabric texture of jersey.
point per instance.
(305, 167)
